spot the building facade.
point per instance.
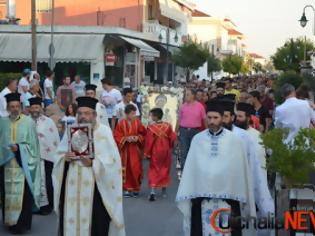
(220, 36)
(160, 26)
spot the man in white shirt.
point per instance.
(110, 97)
(120, 107)
(102, 118)
(10, 88)
(78, 86)
(49, 88)
(294, 113)
(24, 83)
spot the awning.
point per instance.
(172, 10)
(171, 49)
(68, 48)
(145, 49)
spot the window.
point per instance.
(43, 5)
(150, 12)
(122, 22)
(101, 17)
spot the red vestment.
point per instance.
(159, 142)
(130, 153)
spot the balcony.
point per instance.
(154, 30)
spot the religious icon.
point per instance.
(81, 140)
(166, 99)
(66, 97)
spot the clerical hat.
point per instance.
(226, 104)
(229, 96)
(13, 97)
(35, 101)
(245, 107)
(215, 106)
(90, 87)
(87, 102)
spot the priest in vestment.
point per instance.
(263, 199)
(102, 117)
(129, 135)
(159, 142)
(243, 121)
(216, 175)
(49, 140)
(87, 192)
(19, 158)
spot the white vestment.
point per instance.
(49, 140)
(263, 199)
(102, 116)
(259, 148)
(106, 172)
(216, 167)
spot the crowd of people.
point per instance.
(223, 161)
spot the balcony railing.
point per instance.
(158, 32)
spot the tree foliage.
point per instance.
(5, 77)
(232, 64)
(291, 54)
(293, 162)
(290, 77)
(214, 64)
(191, 56)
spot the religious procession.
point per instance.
(156, 118)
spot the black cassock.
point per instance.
(49, 188)
(25, 220)
(100, 216)
(196, 219)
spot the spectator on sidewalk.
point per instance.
(79, 86)
(49, 88)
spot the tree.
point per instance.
(258, 67)
(190, 57)
(232, 64)
(291, 54)
(214, 64)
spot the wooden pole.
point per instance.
(34, 46)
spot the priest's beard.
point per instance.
(86, 121)
(228, 126)
(35, 115)
(215, 128)
(14, 115)
(242, 124)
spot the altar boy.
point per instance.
(159, 142)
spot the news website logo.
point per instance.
(297, 220)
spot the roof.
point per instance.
(256, 56)
(234, 32)
(197, 13)
(228, 20)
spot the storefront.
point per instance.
(124, 56)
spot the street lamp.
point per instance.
(303, 21)
(167, 49)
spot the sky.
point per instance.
(267, 24)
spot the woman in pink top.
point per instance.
(191, 118)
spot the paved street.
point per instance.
(142, 218)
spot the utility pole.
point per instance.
(34, 45)
(51, 62)
(167, 51)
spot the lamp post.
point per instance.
(51, 49)
(34, 45)
(303, 20)
(165, 79)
